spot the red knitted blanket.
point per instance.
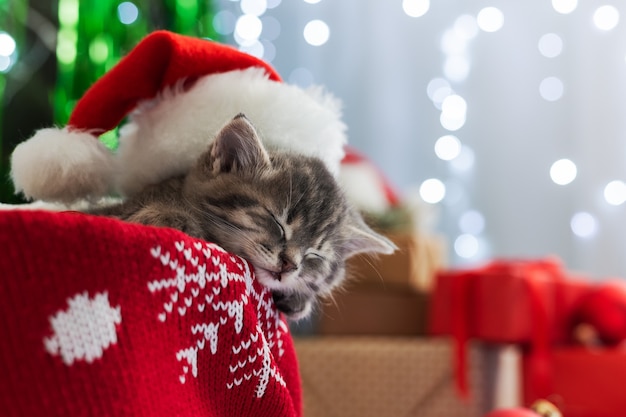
(103, 318)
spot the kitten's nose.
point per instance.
(287, 265)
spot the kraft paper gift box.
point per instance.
(374, 310)
(412, 267)
(387, 295)
(385, 377)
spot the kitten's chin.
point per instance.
(275, 281)
(268, 278)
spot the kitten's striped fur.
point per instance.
(283, 212)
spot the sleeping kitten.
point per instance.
(283, 212)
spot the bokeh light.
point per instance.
(316, 32)
(438, 89)
(466, 246)
(564, 6)
(448, 147)
(66, 45)
(466, 27)
(606, 17)
(415, 8)
(584, 224)
(7, 44)
(127, 12)
(490, 19)
(224, 22)
(432, 190)
(550, 45)
(8, 52)
(472, 222)
(615, 193)
(68, 12)
(563, 172)
(551, 88)
(99, 50)
(5, 63)
(452, 43)
(454, 106)
(456, 68)
(248, 29)
(253, 7)
(453, 111)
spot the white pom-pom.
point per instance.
(62, 165)
(364, 187)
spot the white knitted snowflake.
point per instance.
(85, 330)
(195, 292)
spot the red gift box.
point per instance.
(585, 382)
(528, 302)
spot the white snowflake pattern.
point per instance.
(194, 288)
(85, 330)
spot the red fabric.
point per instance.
(527, 302)
(160, 60)
(104, 318)
(586, 383)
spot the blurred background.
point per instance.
(505, 120)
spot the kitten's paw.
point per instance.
(295, 306)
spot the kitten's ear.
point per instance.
(362, 239)
(237, 147)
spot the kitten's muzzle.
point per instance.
(286, 266)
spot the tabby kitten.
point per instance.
(283, 212)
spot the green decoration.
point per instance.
(91, 38)
(13, 15)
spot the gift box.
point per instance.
(506, 301)
(584, 382)
(526, 302)
(374, 310)
(388, 295)
(380, 377)
(412, 267)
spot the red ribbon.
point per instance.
(535, 275)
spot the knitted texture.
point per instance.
(103, 318)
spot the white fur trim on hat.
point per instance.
(165, 136)
(62, 165)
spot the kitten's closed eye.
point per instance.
(313, 255)
(278, 225)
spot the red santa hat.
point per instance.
(177, 92)
(365, 184)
